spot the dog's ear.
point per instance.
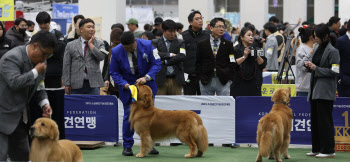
(147, 99)
(54, 134)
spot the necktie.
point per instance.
(134, 62)
(215, 47)
(85, 51)
(170, 69)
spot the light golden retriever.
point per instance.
(154, 124)
(273, 134)
(47, 147)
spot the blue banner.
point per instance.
(61, 25)
(249, 110)
(64, 11)
(91, 118)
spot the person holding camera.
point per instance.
(249, 64)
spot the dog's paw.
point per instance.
(287, 157)
(280, 160)
(188, 156)
(139, 155)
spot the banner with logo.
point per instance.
(66, 11)
(217, 113)
(91, 118)
(61, 25)
(249, 110)
(7, 11)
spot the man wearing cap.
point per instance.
(157, 24)
(133, 26)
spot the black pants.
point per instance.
(322, 127)
(192, 86)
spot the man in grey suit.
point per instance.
(81, 62)
(171, 50)
(21, 71)
(271, 47)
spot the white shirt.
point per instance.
(348, 34)
(212, 43)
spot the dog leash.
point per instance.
(299, 85)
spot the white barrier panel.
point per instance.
(217, 113)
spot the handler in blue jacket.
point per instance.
(133, 61)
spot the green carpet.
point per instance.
(216, 154)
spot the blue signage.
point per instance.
(249, 110)
(61, 25)
(64, 11)
(91, 118)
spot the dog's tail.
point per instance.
(266, 139)
(202, 140)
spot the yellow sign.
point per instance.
(268, 89)
(7, 11)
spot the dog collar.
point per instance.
(282, 103)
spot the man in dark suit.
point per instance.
(81, 62)
(21, 71)
(134, 61)
(214, 65)
(343, 45)
(171, 50)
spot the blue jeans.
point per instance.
(87, 90)
(302, 93)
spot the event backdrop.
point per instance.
(91, 118)
(249, 110)
(7, 10)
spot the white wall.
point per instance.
(255, 12)
(206, 7)
(111, 12)
(324, 9)
(293, 10)
(344, 11)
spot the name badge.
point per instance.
(155, 54)
(335, 68)
(6, 46)
(182, 50)
(232, 58)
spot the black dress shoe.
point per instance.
(127, 152)
(154, 151)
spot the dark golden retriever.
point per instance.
(273, 134)
(47, 147)
(154, 124)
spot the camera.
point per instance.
(255, 52)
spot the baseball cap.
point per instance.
(132, 21)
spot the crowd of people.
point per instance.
(196, 61)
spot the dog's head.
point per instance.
(144, 96)
(281, 95)
(44, 128)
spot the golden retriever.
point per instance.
(47, 147)
(273, 134)
(154, 124)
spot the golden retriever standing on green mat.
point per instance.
(154, 124)
(47, 147)
(273, 135)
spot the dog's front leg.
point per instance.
(146, 144)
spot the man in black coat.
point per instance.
(192, 37)
(53, 75)
(171, 50)
(215, 61)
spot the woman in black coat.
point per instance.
(5, 44)
(248, 69)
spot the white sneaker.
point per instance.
(325, 155)
(312, 153)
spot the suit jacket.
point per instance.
(176, 62)
(17, 87)
(206, 62)
(148, 63)
(74, 64)
(325, 79)
(343, 45)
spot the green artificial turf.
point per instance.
(216, 154)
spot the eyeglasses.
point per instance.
(222, 27)
(199, 18)
(45, 54)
